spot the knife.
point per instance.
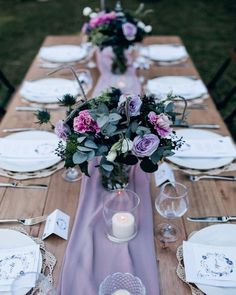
(21, 185)
(212, 219)
(198, 126)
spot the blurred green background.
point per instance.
(207, 27)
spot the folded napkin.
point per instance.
(22, 149)
(63, 53)
(222, 147)
(48, 90)
(164, 52)
(15, 261)
(183, 86)
(210, 265)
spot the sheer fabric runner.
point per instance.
(90, 256)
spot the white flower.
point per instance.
(111, 156)
(127, 145)
(148, 29)
(87, 11)
(93, 15)
(141, 25)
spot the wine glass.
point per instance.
(72, 174)
(32, 283)
(171, 202)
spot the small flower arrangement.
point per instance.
(119, 129)
(116, 29)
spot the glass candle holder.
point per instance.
(120, 210)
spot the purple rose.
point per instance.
(161, 123)
(145, 146)
(62, 130)
(134, 104)
(129, 31)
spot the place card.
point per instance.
(163, 174)
(210, 265)
(57, 223)
(16, 261)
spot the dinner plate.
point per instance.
(199, 163)
(48, 90)
(164, 52)
(63, 53)
(24, 165)
(216, 235)
(13, 239)
(188, 87)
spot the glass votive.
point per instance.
(120, 209)
(32, 283)
(122, 284)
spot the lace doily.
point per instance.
(228, 168)
(49, 260)
(29, 175)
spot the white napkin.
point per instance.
(63, 53)
(222, 147)
(164, 52)
(48, 90)
(15, 261)
(210, 265)
(184, 86)
(22, 149)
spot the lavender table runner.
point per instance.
(127, 82)
(90, 256)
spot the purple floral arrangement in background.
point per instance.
(118, 129)
(116, 29)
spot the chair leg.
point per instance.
(221, 70)
(6, 82)
(227, 98)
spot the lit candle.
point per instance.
(123, 225)
(121, 292)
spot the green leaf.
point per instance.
(148, 166)
(142, 130)
(134, 126)
(103, 109)
(81, 139)
(107, 167)
(131, 160)
(91, 155)
(84, 168)
(102, 149)
(102, 120)
(155, 157)
(79, 157)
(83, 149)
(169, 107)
(114, 117)
(108, 129)
(89, 143)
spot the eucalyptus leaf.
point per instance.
(107, 167)
(109, 129)
(90, 144)
(103, 109)
(79, 157)
(143, 130)
(113, 117)
(134, 126)
(102, 120)
(81, 139)
(102, 149)
(148, 166)
(83, 149)
(91, 155)
(155, 157)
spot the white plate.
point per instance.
(29, 165)
(164, 52)
(10, 239)
(216, 235)
(187, 87)
(199, 163)
(48, 90)
(63, 53)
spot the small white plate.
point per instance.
(10, 239)
(216, 235)
(188, 87)
(199, 163)
(63, 53)
(48, 90)
(24, 165)
(164, 52)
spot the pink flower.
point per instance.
(85, 123)
(129, 31)
(161, 123)
(101, 19)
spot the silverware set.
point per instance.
(25, 221)
(212, 219)
(215, 177)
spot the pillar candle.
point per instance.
(123, 225)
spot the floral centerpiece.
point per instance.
(116, 29)
(120, 130)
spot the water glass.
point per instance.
(32, 283)
(120, 209)
(171, 203)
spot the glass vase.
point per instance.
(118, 179)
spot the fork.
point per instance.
(227, 177)
(25, 221)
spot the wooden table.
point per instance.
(206, 197)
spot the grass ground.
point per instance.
(207, 28)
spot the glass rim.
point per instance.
(130, 210)
(179, 184)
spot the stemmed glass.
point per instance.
(172, 202)
(32, 283)
(72, 174)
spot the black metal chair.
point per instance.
(9, 91)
